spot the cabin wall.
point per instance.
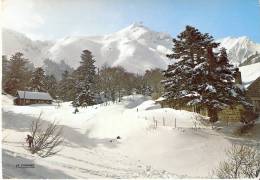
(231, 114)
(228, 114)
(253, 95)
(256, 103)
(19, 101)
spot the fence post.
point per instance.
(163, 121)
(175, 123)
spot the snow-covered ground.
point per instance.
(144, 150)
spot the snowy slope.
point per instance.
(239, 49)
(144, 151)
(135, 47)
(35, 51)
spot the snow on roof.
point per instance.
(34, 95)
(160, 99)
(249, 73)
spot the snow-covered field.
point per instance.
(144, 150)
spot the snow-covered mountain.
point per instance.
(135, 48)
(239, 49)
(14, 41)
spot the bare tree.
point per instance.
(45, 139)
(243, 162)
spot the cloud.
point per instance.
(20, 15)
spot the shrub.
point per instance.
(248, 117)
(45, 140)
(242, 162)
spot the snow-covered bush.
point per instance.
(243, 162)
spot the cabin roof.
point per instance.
(254, 89)
(34, 95)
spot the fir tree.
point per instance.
(201, 77)
(85, 76)
(38, 81)
(51, 85)
(65, 75)
(17, 74)
(146, 90)
(67, 90)
(5, 63)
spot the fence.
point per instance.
(171, 121)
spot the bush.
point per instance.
(242, 162)
(45, 140)
(248, 117)
(243, 129)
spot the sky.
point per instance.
(54, 19)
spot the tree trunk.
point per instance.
(213, 115)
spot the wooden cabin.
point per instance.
(30, 97)
(253, 94)
(230, 114)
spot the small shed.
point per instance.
(253, 94)
(30, 97)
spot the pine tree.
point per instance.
(17, 74)
(38, 81)
(85, 76)
(51, 85)
(5, 63)
(67, 90)
(65, 75)
(146, 90)
(200, 76)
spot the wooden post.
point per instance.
(175, 125)
(163, 121)
(155, 123)
(24, 98)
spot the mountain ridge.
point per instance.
(136, 48)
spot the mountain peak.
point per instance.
(137, 25)
(240, 48)
(235, 40)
